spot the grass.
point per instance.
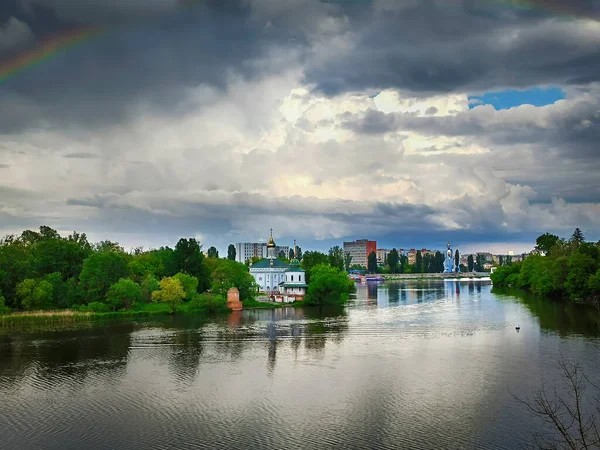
(203, 306)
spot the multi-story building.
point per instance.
(412, 254)
(382, 254)
(360, 250)
(248, 250)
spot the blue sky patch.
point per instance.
(511, 98)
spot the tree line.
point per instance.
(40, 270)
(560, 268)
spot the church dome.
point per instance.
(271, 242)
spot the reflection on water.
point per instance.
(438, 355)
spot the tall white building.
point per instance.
(248, 250)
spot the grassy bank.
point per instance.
(68, 316)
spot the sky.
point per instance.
(410, 122)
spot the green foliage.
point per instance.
(213, 252)
(581, 267)
(148, 285)
(171, 293)
(189, 284)
(93, 307)
(336, 257)
(227, 274)
(34, 294)
(545, 242)
(456, 259)
(231, 253)
(100, 272)
(190, 260)
(206, 303)
(311, 259)
(577, 237)
(328, 286)
(372, 262)
(419, 262)
(123, 294)
(569, 269)
(3, 308)
(470, 263)
(393, 259)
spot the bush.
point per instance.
(94, 307)
(328, 286)
(123, 294)
(206, 303)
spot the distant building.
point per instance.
(248, 250)
(360, 250)
(412, 254)
(382, 255)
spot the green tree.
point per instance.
(108, 246)
(581, 267)
(281, 255)
(190, 260)
(347, 261)
(100, 271)
(328, 286)
(311, 259)
(299, 253)
(146, 263)
(148, 285)
(501, 260)
(228, 274)
(439, 262)
(3, 308)
(457, 260)
(545, 242)
(171, 292)
(231, 252)
(372, 262)
(336, 257)
(123, 294)
(58, 255)
(419, 262)
(189, 284)
(393, 259)
(577, 237)
(291, 254)
(212, 252)
(403, 263)
(34, 294)
(470, 263)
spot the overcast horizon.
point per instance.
(412, 123)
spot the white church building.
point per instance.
(283, 282)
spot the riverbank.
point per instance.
(142, 310)
(436, 276)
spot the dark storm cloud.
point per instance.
(430, 47)
(152, 61)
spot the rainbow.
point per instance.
(47, 50)
(60, 43)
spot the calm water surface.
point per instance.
(409, 365)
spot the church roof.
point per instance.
(266, 264)
(292, 285)
(295, 269)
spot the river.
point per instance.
(407, 365)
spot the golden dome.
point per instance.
(271, 242)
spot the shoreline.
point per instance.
(425, 276)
